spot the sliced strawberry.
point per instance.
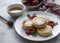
(26, 3)
(29, 1)
(32, 17)
(33, 30)
(51, 23)
(28, 31)
(35, 2)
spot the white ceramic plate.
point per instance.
(21, 32)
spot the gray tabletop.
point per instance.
(9, 35)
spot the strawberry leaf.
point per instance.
(55, 24)
(28, 16)
(33, 34)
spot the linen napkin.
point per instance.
(50, 6)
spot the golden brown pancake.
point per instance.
(39, 22)
(27, 24)
(46, 31)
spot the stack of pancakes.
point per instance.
(40, 23)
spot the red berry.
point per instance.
(51, 23)
(35, 2)
(32, 17)
(28, 32)
(26, 3)
(33, 30)
(29, 1)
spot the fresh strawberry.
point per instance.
(32, 17)
(33, 30)
(35, 2)
(28, 31)
(29, 1)
(26, 3)
(51, 23)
